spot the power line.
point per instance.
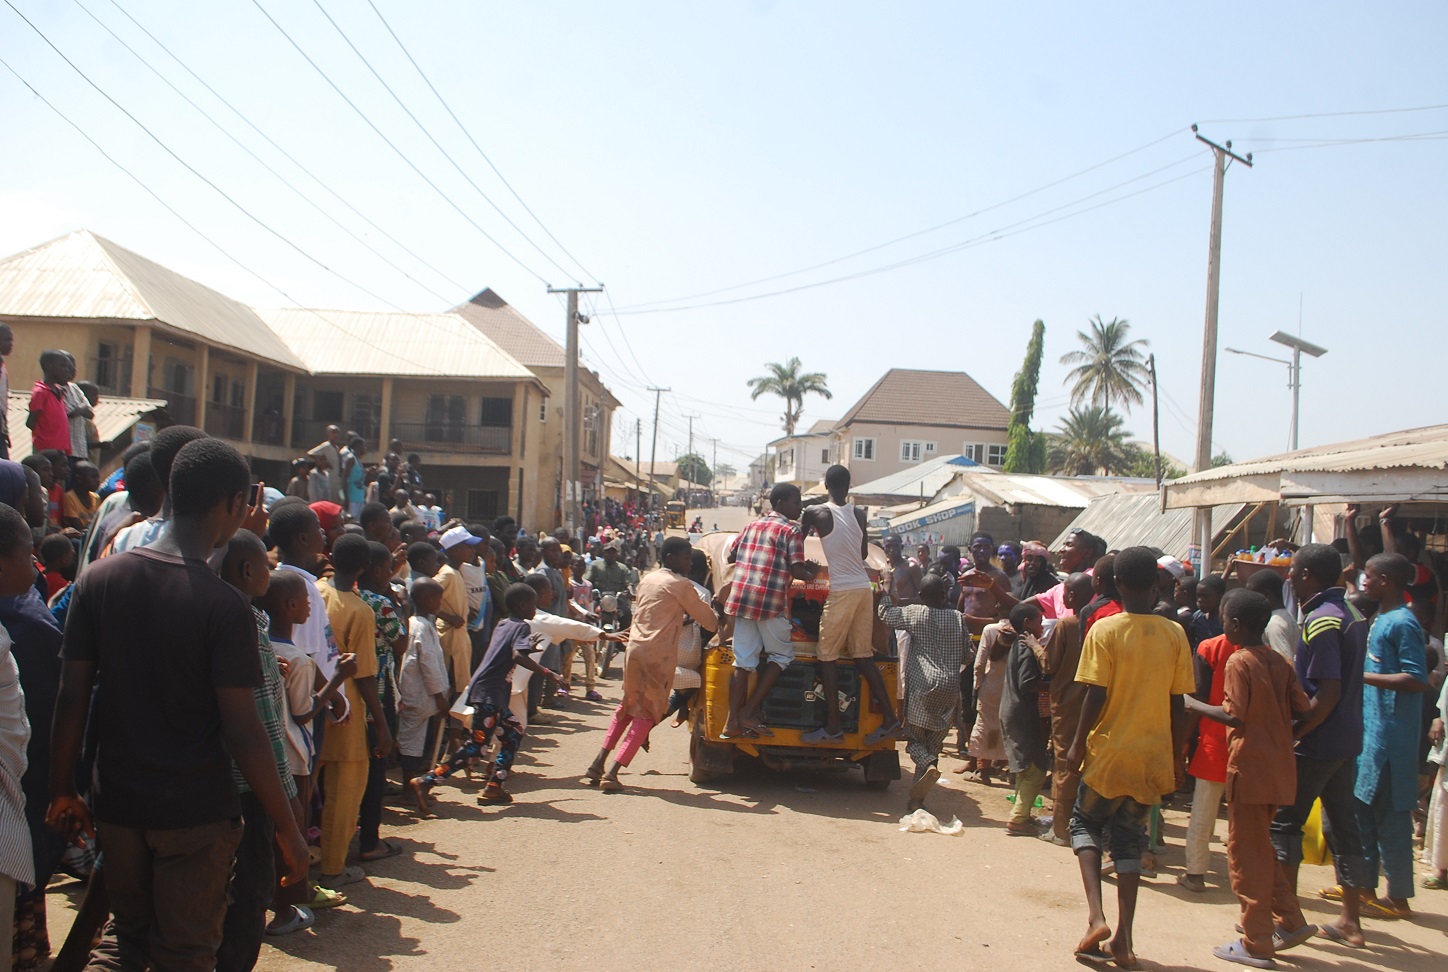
(469, 136)
(197, 230)
(436, 144)
(930, 229)
(285, 154)
(371, 124)
(1321, 114)
(260, 161)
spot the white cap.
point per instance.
(457, 535)
(1172, 566)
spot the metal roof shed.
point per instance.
(1129, 520)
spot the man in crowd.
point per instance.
(328, 454)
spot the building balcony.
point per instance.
(181, 408)
(268, 429)
(225, 421)
(308, 433)
(490, 440)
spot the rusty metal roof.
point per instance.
(86, 276)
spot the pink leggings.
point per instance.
(633, 732)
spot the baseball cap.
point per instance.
(1172, 566)
(457, 535)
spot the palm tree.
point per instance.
(1091, 442)
(786, 381)
(1109, 369)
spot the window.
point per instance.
(824, 456)
(543, 410)
(445, 417)
(864, 449)
(910, 450)
(974, 451)
(786, 460)
(218, 388)
(930, 448)
(112, 370)
(327, 406)
(482, 504)
(366, 413)
(995, 454)
(497, 413)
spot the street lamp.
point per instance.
(1294, 370)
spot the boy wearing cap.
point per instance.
(459, 547)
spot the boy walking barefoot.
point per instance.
(1129, 744)
(1261, 698)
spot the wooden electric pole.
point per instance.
(654, 449)
(572, 427)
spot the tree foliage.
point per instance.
(1091, 441)
(1108, 369)
(1222, 458)
(693, 468)
(1140, 462)
(1026, 451)
(789, 383)
(724, 470)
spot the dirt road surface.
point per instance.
(770, 872)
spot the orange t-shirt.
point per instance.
(1210, 761)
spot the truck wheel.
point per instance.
(881, 769)
(708, 761)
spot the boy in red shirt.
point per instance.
(1209, 765)
(49, 422)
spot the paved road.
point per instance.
(769, 872)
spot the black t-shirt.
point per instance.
(164, 634)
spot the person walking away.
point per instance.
(1209, 763)
(1260, 700)
(767, 556)
(665, 597)
(1063, 655)
(1394, 679)
(938, 640)
(847, 624)
(165, 800)
(1329, 666)
(1129, 743)
(1020, 716)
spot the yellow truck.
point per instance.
(796, 704)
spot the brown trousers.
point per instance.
(1258, 880)
(1065, 782)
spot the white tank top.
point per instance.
(842, 550)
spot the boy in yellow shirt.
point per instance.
(1129, 744)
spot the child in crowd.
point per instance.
(289, 606)
(253, 876)
(92, 393)
(422, 561)
(1129, 744)
(1206, 621)
(1025, 739)
(938, 641)
(488, 693)
(390, 643)
(78, 507)
(57, 556)
(1209, 763)
(48, 421)
(344, 759)
(54, 492)
(1261, 698)
(422, 679)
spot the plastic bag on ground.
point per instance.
(922, 821)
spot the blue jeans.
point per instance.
(1121, 818)
(1387, 836)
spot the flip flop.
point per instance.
(1237, 952)
(387, 848)
(884, 732)
(1433, 883)
(1333, 934)
(745, 733)
(1094, 957)
(1283, 940)
(821, 735)
(760, 730)
(1370, 908)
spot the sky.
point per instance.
(1039, 159)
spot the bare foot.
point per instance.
(1090, 944)
(1123, 954)
(419, 793)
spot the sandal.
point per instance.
(383, 850)
(300, 919)
(1283, 940)
(885, 733)
(610, 785)
(1237, 952)
(1434, 883)
(1334, 934)
(822, 735)
(1373, 908)
(326, 898)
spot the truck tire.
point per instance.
(881, 769)
(709, 762)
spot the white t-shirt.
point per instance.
(1282, 634)
(301, 679)
(315, 636)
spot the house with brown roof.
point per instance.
(503, 325)
(910, 415)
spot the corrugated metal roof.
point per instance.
(1129, 520)
(1010, 489)
(113, 416)
(341, 342)
(86, 276)
(511, 331)
(924, 479)
(952, 399)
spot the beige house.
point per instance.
(909, 416)
(270, 381)
(505, 327)
(802, 458)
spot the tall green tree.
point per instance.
(724, 470)
(1091, 441)
(1026, 452)
(693, 468)
(1109, 369)
(789, 383)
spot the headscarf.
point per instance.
(14, 488)
(1039, 583)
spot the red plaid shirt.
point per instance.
(763, 554)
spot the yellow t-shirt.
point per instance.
(457, 647)
(1142, 660)
(71, 507)
(353, 626)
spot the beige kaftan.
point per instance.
(663, 599)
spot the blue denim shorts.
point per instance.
(1120, 820)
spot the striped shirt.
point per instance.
(271, 705)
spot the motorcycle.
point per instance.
(612, 611)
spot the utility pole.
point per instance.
(1155, 419)
(572, 427)
(691, 432)
(639, 459)
(1202, 519)
(654, 449)
(714, 472)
